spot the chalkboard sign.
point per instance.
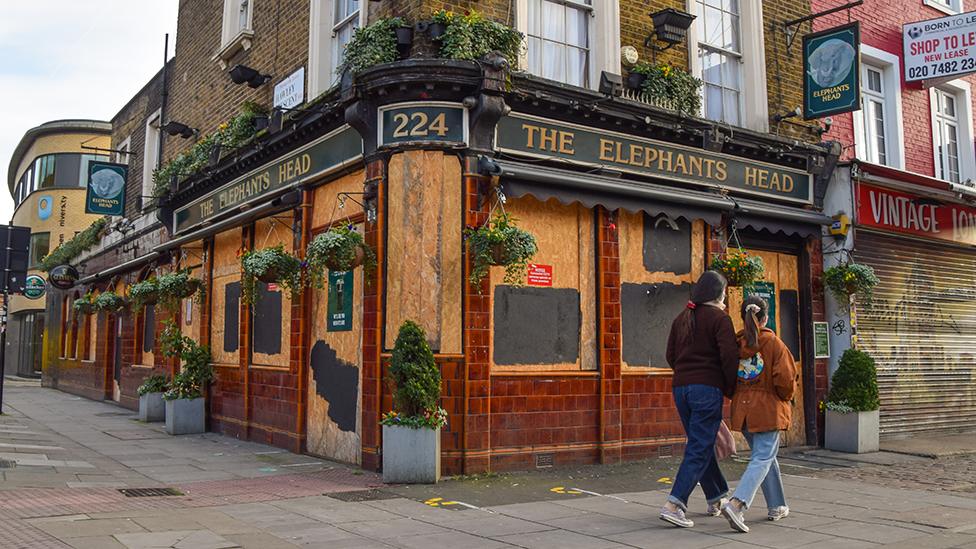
(821, 340)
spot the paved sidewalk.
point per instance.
(237, 495)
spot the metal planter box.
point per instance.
(411, 456)
(186, 416)
(854, 432)
(152, 407)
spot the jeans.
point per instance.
(700, 408)
(763, 470)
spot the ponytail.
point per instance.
(754, 311)
(710, 287)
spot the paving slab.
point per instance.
(67, 529)
(97, 542)
(259, 540)
(558, 538)
(933, 446)
(448, 539)
(388, 529)
(185, 539)
(497, 525)
(865, 531)
(667, 536)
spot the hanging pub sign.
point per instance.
(832, 71)
(34, 287)
(63, 277)
(543, 138)
(106, 188)
(340, 301)
(940, 48)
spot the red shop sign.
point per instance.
(540, 275)
(911, 214)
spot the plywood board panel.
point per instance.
(226, 270)
(326, 208)
(270, 232)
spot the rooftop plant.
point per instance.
(472, 36)
(372, 45)
(670, 87)
(75, 246)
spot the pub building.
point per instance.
(628, 203)
(918, 234)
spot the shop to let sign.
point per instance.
(106, 188)
(905, 213)
(423, 122)
(832, 72)
(543, 138)
(539, 275)
(940, 48)
(767, 291)
(340, 302)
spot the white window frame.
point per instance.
(126, 145)
(955, 6)
(321, 38)
(890, 66)
(962, 91)
(233, 38)
(754, 104)
(603, 36)
(150, 155)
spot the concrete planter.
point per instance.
(854, 432)
(186, 416)
(411, 456)
(152, 407)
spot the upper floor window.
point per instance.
(61, 170)
(878, 125)
(331, 26)
(720, 55)
(237, 19)
(345, 23)
(150, 156)
(877, 119)
(947, 6)
(122, 151)
(44, 172)
(952, 131)
(559, 40)
(40, 246)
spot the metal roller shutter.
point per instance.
(921, 329)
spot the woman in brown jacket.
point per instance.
(761, 408)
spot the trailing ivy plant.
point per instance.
(109, 302)
(174, 287)
(143, 293)
(739, 268)
(84, 304)
(472, 36)
(153, 384)
(855, 383)
(196, 371)
(670, 87)
(270, 265)
(500, 242)
(850, 279)
(416, 382)
(372, 45)
(72, 248)
(338, 249)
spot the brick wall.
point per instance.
(130, 124)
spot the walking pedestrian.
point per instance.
(761, 408)
(703, 353)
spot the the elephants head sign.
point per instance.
(831, 80)
(106, 188)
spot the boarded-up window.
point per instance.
(232, 316)
(225, 298)
(536, 325)
(667, 245)
(271, 313)
(267, 321)
(148, 328)
(646, 314)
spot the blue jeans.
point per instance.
(700, 408)
(763, 470)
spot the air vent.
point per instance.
(665, 451)
(149, 492)
(543, 460)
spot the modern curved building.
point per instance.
(47, 178)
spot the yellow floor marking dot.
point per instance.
(664, 480)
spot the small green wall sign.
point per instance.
(34, 287)
(340, 301)
(832, 71)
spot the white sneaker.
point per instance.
(735, 518)
(715, 509)
(676, 517)
(777, 513)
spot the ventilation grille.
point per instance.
(543, 460)
(149, 492)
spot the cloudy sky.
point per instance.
(74, 59)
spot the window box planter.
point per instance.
(152, 407)
(186, 416)
(411, 455)
(852, 432)
(635, 80)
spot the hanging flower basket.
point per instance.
(739, 268)
(850, 279)
(500, 242)
(144, 293)
(338, 249)
(109, 302)
(174, 287)
(270, 265)
(85, 304)
(193, 285)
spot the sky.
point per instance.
(74, 59)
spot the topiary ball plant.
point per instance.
(855, 383)
(416, 381)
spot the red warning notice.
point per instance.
(540, 275)
(272, 287)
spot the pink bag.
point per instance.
(724, 442)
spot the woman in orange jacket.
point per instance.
(761, 408)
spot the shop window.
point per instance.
(877, 127)
(65, 325)
(148, 328)
(150, 158)
(270, 325)
(74, 330)
(332, 25)
(951, 7)
(952, 131)
(40, 245)
(730, 54)
(536, 325)
(91, 337)
(225, 296)
(647, 310)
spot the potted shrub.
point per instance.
(338, 249)
(270, 265)
(109, 302)
(672, 88)
(438, 24)
(151, 406)
(404, 35)
(185, 404)
(143, 293)
(173, 287)
(739, 268)
(852, 405)
(85, 304)
(412, 431)
(472, 37)
(850, 279)
(372, 45)
(500, 242)
(637, 75)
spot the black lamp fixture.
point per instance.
(670, 27)
(242, 74)
(178, 128)
(611, 85)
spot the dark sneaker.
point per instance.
(777, 513)
(735, 518)
(676, 517)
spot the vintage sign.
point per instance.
(905, 213)
(63, 277)
(34, 287)
(831, 83)
(767, 291)
(340, 301)
(940, 48)
(423, 122)
(106, 188)
(327, 154)
(290, 92)
(821, 340)
(542, 138)
(539, 275)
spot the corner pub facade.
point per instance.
(628, 202)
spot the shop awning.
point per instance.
(569, 187)
(789, 220)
